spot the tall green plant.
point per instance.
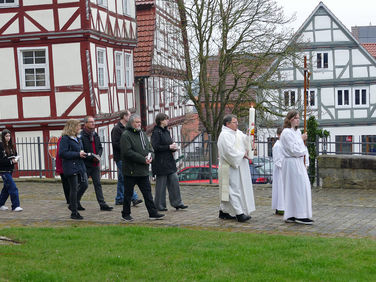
(313, 132)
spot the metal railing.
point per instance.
(37, 162)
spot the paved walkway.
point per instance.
(337, 212)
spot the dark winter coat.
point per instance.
(88, 148)
(69, 152)
(116, 133)
(6, 163)
(163, 162)
(135, 146)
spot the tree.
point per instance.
(244, 37)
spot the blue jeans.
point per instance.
(9, 189)
(120, 185)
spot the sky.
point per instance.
(349, 12)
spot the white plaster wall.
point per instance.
(130, 100)
(8, 107)
(67, 64)
(322, 22)
(309, 26)
(360, 72)
(32, 2)
(327, 96)
(65, 14)
(76, 24)
(372, 71)
(323, 74)
(104, 103)
(93, 56)
(67, 1)
(307, 37)
(110, 63)
(121, 101)
(344, 114)
(7, 75)
(325, 114)
(111, 5)
(56, 133)
(64, 100)
(79, 110)
(360, 113)
(346, 74)
(372, 94)
(323, 36)
(287, 75)
(13, 28)
(341, 57)
(103, 17)
(30, 27)
(358, 58)
(30, 110)
(299, 75)
(5, 17)
(94, 15)
(338, 35)
(44, 17)
(29, 156)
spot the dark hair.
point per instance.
(160, 117)
(124, 113)
(228, 118)
(290, 115)
(279, 130)
(86, 119)
(9, 149)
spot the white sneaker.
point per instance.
(18, 209)
(3, 208)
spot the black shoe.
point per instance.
(157, 216)
(106, 208)
(182, 207)
(80, 208)
(306, 221)
(136, 202)
(76, 215)
(127, 218)
(164, 209)
(225, 215)
(242, 217)
(290, 220)
(119, 203)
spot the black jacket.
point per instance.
(135, 146)
(116, 133)
(6, 163)
(88, 148)
(164, 162)
(69, 152)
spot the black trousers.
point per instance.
(144, 184)
(66, 188)
(95, 174)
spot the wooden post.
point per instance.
(306, 74)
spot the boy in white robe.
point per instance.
(298, 202)
(277, 187)
(236, 191)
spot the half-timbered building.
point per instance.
(64, 59)
(159, 63)
(342, 93)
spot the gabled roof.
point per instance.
(145, 32)
(371, 48)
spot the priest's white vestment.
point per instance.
(236, 191)
(278, 199)
(298, 202)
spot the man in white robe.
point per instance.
(278, 199)
(298, 202)
(236, 191)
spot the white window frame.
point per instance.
(310, 91)
(360, 89)
(343, 97)
(23, 67)
(289, 100)
(322, 62)
(119, 70)
(102, 3)
(128, 8)
(9, 5)
(102, 65)
(129, 77)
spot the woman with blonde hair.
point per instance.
(72, 154)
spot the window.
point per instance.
(311, 99)
(369, 144)
(129, 71)
(119, 66)
(344, 144)
(34, 71)
(128, 7)
(102, 3)
(360, 97)
(289, 98)
(102, 68)
(343, 97)
(8, 3)
(322, 60)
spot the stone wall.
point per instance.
(346, 171)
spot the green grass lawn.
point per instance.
(116, 253)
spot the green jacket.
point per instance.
(134, 147)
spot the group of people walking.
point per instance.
(80, 150)
(291, 189)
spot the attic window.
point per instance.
(8, 3)
(322, 60)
